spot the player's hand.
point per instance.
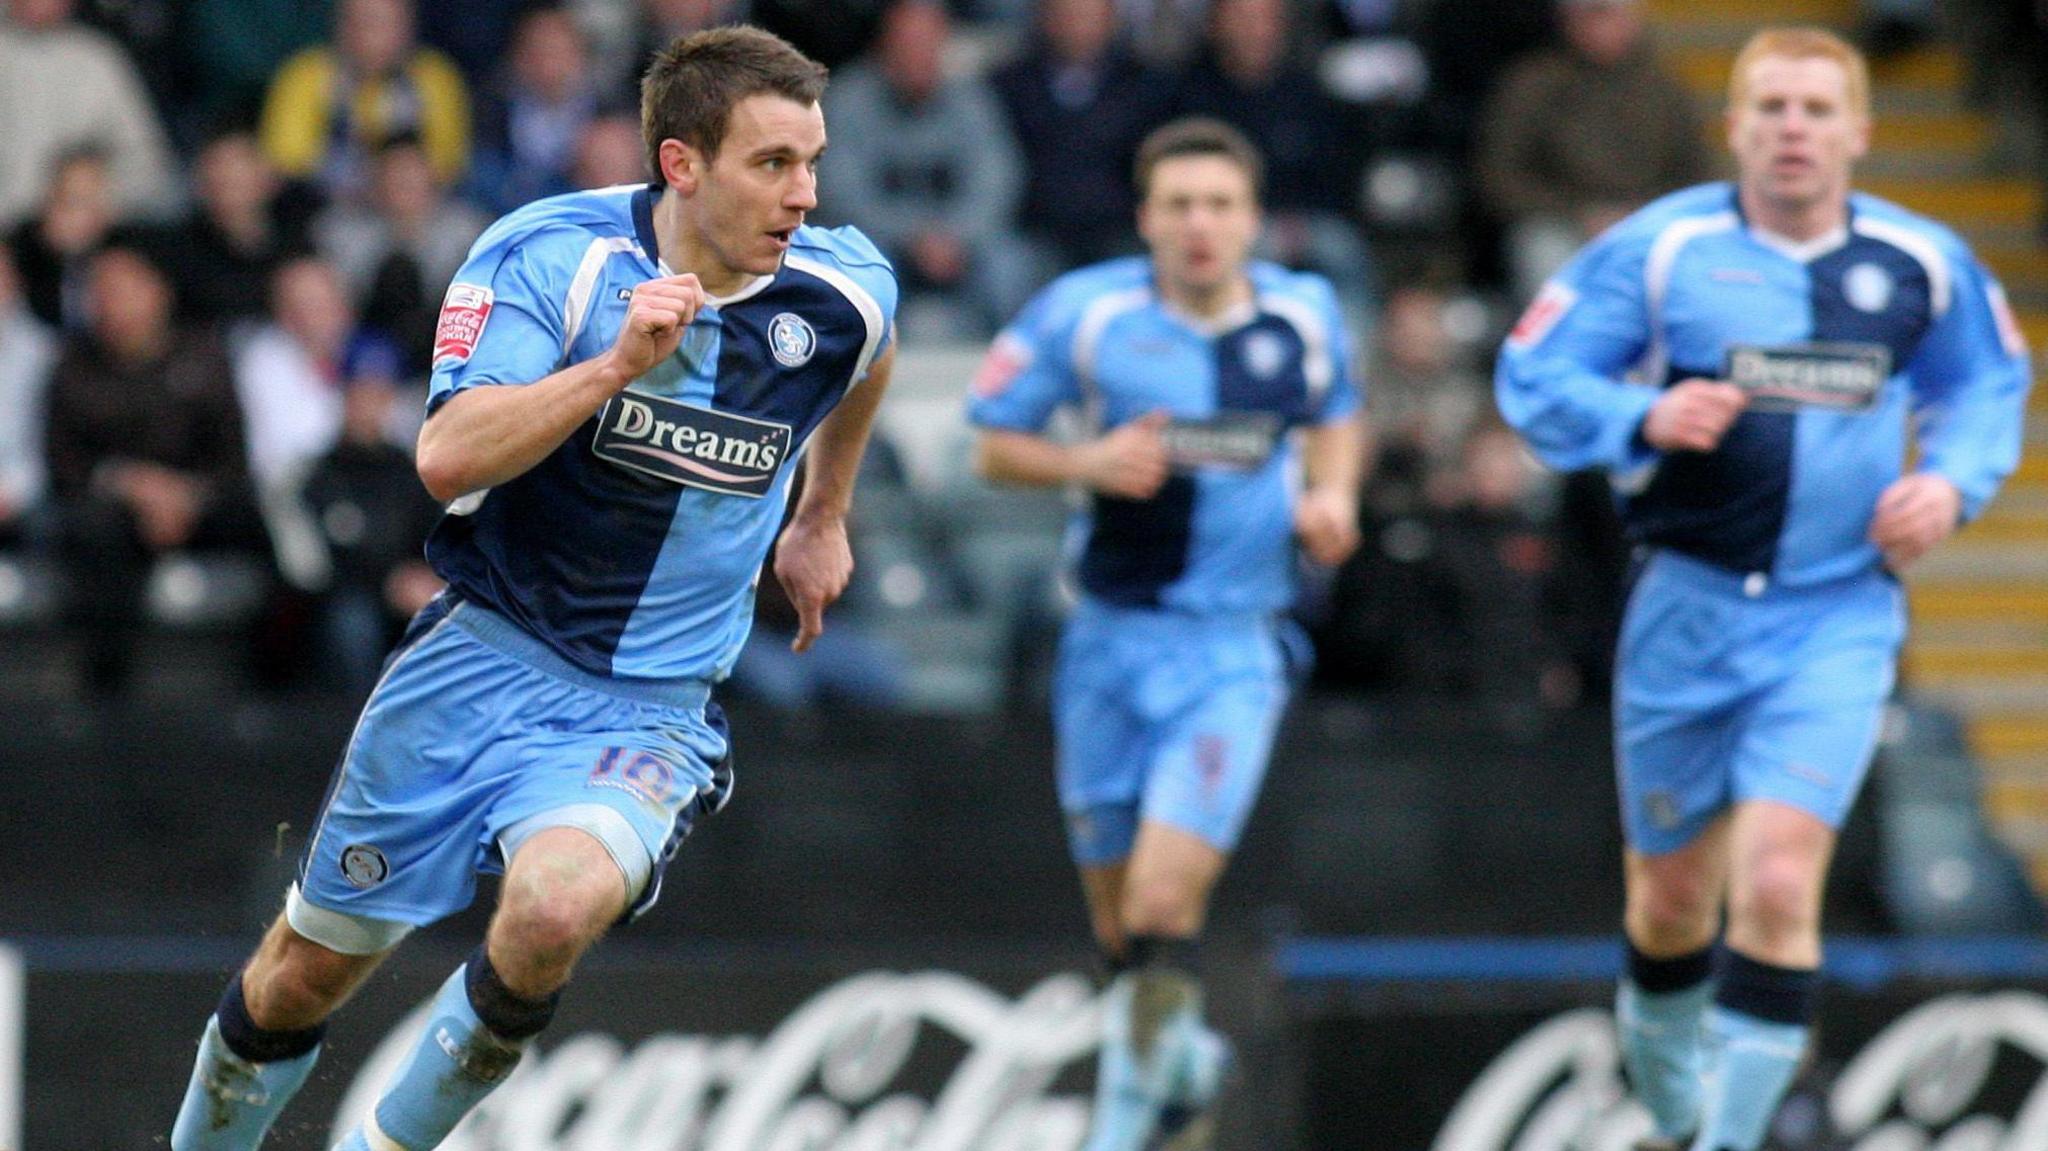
(1130, 460)
(656, 318)
(1327, 522)
(813, 561)
(1915, 513)
(1692, 415)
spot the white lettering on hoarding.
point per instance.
(1559, 1087)
(819, 1082)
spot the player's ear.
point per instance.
(681, 165)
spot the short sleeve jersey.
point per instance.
(1218, 536)
(633, 548)
(1687, 288)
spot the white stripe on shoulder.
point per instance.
(1939, 282)
(1096, 317)
(862, 300)
(617, 189)
(576, 308)
(1669, 242)
(1314, 329)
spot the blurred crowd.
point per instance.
(225, 227)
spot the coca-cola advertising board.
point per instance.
(1923, 1045)
(685, 1049)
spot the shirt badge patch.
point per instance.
(1542, 314)
(463, 313)
(1007, 358)
(791, 339)
(1264, 355)
(1867, 287)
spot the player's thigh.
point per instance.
(401, 833)
(633, 776)
(1810, 738)
(1678, 710)
(1101, 747)
(1210, 760)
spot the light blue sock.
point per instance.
(1661, 1048)
(1150, 1019)
(231, 1102)
(1751, 1063)
(456, 1063)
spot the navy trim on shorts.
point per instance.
(495, 631)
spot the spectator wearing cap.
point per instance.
(372, 517)
(1579, 135)
(145, 452)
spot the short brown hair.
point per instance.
(1197, 136)
(1803, 43)
(691, 87)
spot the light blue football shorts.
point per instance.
(1730, 688)
(1168, 718)
(476, 737)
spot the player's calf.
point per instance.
(242, 1078)
(476, 1031)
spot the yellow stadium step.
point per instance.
(2018, 605)
(2009, 734)
(1924, 660)
(1963, 203)
(1839, 13)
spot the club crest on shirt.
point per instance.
(690, 445)
(1867, 287)
(1264, 355)
(791, 340)
(464, 311)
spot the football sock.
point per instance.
(476, 1030)
(242, 1078)
(1756, 1036)
(1151, 1024)
(1657, 1011)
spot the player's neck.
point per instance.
(683, 250)
(1798, 222)
(1205, 302)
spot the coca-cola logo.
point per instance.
(828, 1078)
(1913, 1086)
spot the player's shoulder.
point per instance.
(1881, 219)
(1271, 281)
(1693, 211)
(568, 222)
(1122, 282)
(845, 253)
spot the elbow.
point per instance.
(444, 478)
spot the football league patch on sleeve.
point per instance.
(1007, 358)
(2010, 335)
(463, 313)
(1542, 314)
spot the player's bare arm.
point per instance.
(1692, 415)
(813, 560)
(1129, 461)
(1326, 514)
(487, 435)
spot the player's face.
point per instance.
(1795, 133)
(1200, 218)
(749, 200)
